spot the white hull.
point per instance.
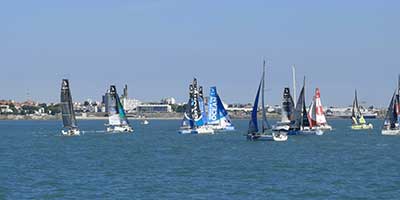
(222, 128)
(281, 127)
(199, 130)
(325, 127)
(145, 122)
(277, 137)
(280, 137)
(120, 129)
(71, 132)
(391, 132)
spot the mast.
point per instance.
(294, 81)
(265, 124)
(303, 90)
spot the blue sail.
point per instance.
(224, 117)
(213, 111)
(253, 124)
(203, 120)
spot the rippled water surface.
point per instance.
(157, 163)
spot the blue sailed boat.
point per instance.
(218, 118)
(266, 133)
(195, 118)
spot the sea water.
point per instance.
(155, 162)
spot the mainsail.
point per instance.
(316, 113)
(253, 124)
(202, 106)
(195, 107)
(300, 113)
(67, 108)
(391, 119)
(187, 117)
(287, 107)
(116, 111)
(217, 114)
(356, 115)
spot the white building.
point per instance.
(169, 101)
(5, 109)
(130, 104)
(154, 108)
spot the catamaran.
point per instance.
(316, 115)
(194, 120)
(392, 119)
(67, 109)
(287, 113)
(358, 121)
(266, 133)
(301, 123)
(218, 118)
(117, 120)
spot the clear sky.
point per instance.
(157, 46)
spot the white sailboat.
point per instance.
(316, 115)
(287, 113)
(266, 133)
(145, 122)
(117, 120)
(67, 110)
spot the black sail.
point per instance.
(287, 106)
(67, 108)
(300, 112)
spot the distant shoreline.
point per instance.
(56, 118)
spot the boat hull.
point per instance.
(119, 129)
(391, 132)
(325, 127)
(200, 130)
(218, 128)
(302, 132)
(71, 132)
(362, 127)
(277, 137)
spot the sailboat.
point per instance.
(218, 118)
(316, 115)
(194, 119)
(67, 109)
(392, 119)
(301, 124)
(145, 122)
(287, 114)
(117, 120)
(265, 133)
(357, 117)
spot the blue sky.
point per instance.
(157, 46)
